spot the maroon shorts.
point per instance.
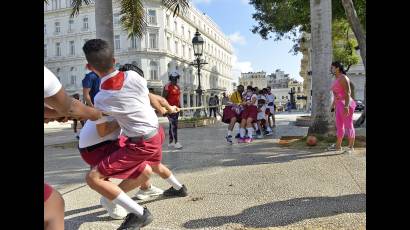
(250, 111)
(47, 191)
(96, 155)
(228, 114)
(129, 161)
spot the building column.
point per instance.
(194, 96)
(188, 99)
(181, 99)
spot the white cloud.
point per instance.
(240, 67)
(237, 38)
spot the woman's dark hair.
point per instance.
(249, 87)
(339, 65)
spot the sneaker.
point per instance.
(248, 140)
(238, 136)
(332, 147)
(229, 139)
(135, 222)
(182, 192)
(258, 132)
(115, 211)
(349, 150)
(171, 145)
(241, 140)
(178, 145)
(151, 192)
(268, 133)
(259, 136)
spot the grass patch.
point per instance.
(323, 142)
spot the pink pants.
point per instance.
(344, 124)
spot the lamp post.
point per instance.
(198, 44)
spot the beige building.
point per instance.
(254, 79)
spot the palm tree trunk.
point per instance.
(104, 21)
(321, 32)
(361, 39)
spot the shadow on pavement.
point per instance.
(283, 213)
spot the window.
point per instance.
(54, 4)
(72, 48)
(189, 52)
(58, 49)
(153, 70)
(176, 48)
(116, 19)
(117, 42)
(167, 19)
(45, 28)
(182, 31)
(152, 17)
(70, 25)
(183, 50)
(283, 97)
(85, 23)
(134, 42)
(189, 34)
(57, 27)
(68, 3)
(175, 27)
(153, 41)
(45, 50)
(169, 43)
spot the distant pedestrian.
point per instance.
(75, 121)
(212, 102)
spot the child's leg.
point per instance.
(54, 212)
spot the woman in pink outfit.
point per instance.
(344, 105)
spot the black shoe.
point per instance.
(238, 136)
(173, 192)
(134, 222)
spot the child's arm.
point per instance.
(107, 127)
(161, 104)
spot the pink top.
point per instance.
(339, 92)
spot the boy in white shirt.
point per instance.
(125, 97)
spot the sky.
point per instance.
(251, 52)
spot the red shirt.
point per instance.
(173, 94)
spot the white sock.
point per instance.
(174, 182)
(130, 205)
(229, 133)
(242, 132)
(250, 132)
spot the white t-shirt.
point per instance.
(270, 98)
(124, 96)
(89, 134)
(51, 84)
(261, 115)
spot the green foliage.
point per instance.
(280, 19)
(344, 43)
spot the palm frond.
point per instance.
(176, 5)
(133, 17)
(76, 5)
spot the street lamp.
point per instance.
(198, 43)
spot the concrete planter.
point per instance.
(304, 121)
(196, 123)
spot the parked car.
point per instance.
(359, 105)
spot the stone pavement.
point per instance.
(239, 186)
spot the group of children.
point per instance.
(252, 109)
(125, 141)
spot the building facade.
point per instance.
(254, 79)
(166, 46)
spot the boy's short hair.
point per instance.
(99, 54)
(128, 67)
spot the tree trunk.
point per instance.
(321, 33)
(361, 39)
(104, 21)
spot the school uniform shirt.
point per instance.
(51, 84)
(261, 114)
(124, 96)
(270, 99)
(89, 134)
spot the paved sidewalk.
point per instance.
(239, 186)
